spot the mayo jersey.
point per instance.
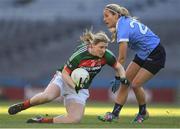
(139, 37)
(81, 58)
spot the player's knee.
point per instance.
(75, 119)
(135, 85)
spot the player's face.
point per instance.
(110, 19)
(99, 49)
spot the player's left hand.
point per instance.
(115, 83)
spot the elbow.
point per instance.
(121, 60)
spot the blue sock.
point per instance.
(117, 109)
(142, 109)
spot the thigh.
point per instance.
(141, 77)
(55, 87)
(75, 109)
(132, 70)
(52, 89)
(80, 98)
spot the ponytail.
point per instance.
(89, 37)
(124, 12)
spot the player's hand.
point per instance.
(79, 86)
(77, 89)
(115, 83)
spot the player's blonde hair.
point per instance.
(115, 8)
(89, 37)
(121, 11)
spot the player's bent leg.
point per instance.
(141, 78)
(131, 72)
(50, 93)
(75, 112)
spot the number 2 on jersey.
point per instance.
(143, 29)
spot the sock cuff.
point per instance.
(117, 109)
(47, 120)
(117, 104)
(26, 104)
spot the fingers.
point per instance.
(79, 83)
(113, 89)
(78, 86)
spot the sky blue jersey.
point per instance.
(139, 37)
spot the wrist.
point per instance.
(117, 78)
(125, 81)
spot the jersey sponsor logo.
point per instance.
(92, 66)
(92, 69)
(92, 63)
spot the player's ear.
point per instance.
(117, 16)
(90, 45)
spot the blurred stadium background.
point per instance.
(38, 36)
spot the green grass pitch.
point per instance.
(161, 116)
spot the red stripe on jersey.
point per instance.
(92, 63)
(67, 69)
(114, 65)
(103, 61)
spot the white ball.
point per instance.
(80, 73)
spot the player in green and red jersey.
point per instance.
(92, 55)
(93, 64)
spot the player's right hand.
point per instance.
(115, 84)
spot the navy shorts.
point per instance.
(154, 62)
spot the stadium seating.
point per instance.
(37, 37)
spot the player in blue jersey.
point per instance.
(150, 57)
(91, 55)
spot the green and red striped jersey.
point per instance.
(93, 64)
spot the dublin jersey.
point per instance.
(93, 64)
(139, 37)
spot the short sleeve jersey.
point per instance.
(81, 58)
(139, 37)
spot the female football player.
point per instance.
(91, 55)
(149, 58)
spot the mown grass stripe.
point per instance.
(98, 111)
